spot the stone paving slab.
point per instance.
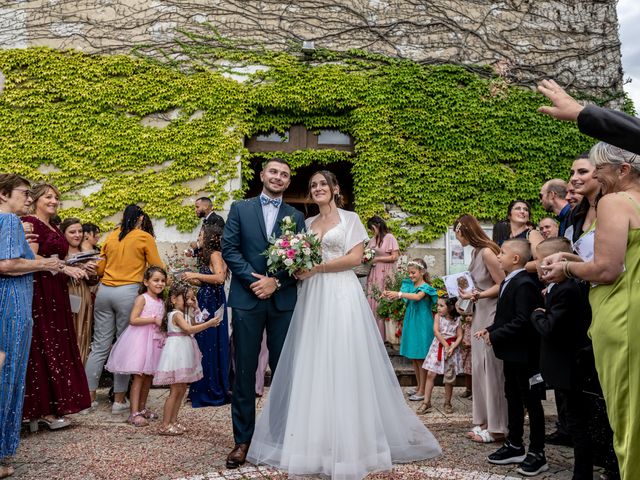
(102, 446)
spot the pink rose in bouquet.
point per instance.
(292, 251)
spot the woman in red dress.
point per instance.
(56, 383)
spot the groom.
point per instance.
(258, 301)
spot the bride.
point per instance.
(335, 407)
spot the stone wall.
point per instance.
(570, 40)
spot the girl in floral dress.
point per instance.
(444, 355)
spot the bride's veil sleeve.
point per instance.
(356, 233)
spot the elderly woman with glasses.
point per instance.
(17, 264)
(614, 271)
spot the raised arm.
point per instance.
(186, 327)
(216, 265)
(611, 126)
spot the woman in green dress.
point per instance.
(614, 273)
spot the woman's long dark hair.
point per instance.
(129, 220)
(146, 225)
(381, 225)
(211, 242)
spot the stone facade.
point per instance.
(573, 41)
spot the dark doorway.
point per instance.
(296, 194)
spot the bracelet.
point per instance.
(278, 284)
(399, 295)
(565, 269)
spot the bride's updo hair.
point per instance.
(332, 181)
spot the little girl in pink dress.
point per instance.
(137, 351)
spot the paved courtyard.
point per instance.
(102, 446)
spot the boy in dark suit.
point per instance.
(516, 343)
(563, 325)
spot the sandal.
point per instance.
(179, 426)
(483, 437)
(54, 423)
(137, 420)
(171, 430)
(465, 394)
(6, 471)
(448, 409)
(149, 414)
(424, 408)
(412, 391)
(474, 431)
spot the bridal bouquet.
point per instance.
(369, 254)
(363, 269)
(292, 251)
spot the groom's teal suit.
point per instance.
(244, 240)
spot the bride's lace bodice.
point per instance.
(333, 243)
(340, 239)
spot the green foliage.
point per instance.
(436, 141)
(81, 115)
(391, 309)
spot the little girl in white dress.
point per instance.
(181, 361)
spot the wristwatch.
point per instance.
(278, 284)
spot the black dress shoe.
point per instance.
(558, 438)
(237, 456)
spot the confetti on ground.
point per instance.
(101, 446)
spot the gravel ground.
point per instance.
(102, 446)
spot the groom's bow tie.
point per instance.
(265, 200)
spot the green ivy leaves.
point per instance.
(435, 141)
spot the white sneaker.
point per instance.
(118, 408)
(91, 409)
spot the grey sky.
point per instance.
(629, 18)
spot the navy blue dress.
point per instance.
(213, 389)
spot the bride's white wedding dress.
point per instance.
(335, 406)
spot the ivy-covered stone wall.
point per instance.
(433, 141)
